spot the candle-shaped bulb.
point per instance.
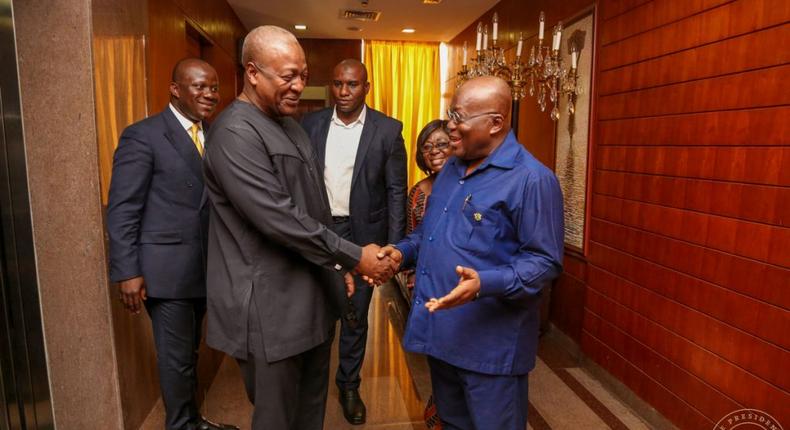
(559, 34)
(479, 36)
(485, 37)
(520, 44)
(574, 56)
(555, 42)
(496, 26)
(464, 53)
(542, 25)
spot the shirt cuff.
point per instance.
(347, 255)
(408, 252)
(492, 283)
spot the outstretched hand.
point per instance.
(467, 290)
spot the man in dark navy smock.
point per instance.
(491, 240)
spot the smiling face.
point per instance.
(278, 79)
(195, 90)
(469, 138)
(436, 150)
(478, 114)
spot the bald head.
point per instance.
(352, 64)
(488, 94)
(266, 41)
(182, 67)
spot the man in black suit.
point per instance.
(157, 220)
(363, 159)
(274, 268)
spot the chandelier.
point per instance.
(544, 76)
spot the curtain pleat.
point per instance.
(119, 81)
(405, 84)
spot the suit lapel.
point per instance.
(204, 196)
(365, 141)
(323, 135)
(179, 138)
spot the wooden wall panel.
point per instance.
(324, 54)
(759, 88)
(167, 43)
(568, 296)
(752, 278)
(748, 164)
(731, 20)
(612, 9)
(626, 334)
(751, 240)
(752, 316)
(758, 203)
(688, 262)
(753, 127)
(700, 63)
(640, 380)
(697, 328)
(651, 15)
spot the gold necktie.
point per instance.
(193, 132)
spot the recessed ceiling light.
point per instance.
(353, 29)
(408, 30)
(300, 27)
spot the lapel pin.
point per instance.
(478, 216)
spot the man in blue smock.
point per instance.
(491, 240)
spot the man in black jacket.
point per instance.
(157, 219)
(363, 161)
(274, 268)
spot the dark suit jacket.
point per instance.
(157, 218)
(378, 187)
(268, 234)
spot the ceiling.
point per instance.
(437, 23)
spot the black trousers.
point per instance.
(288, 394)
(177, 327)
(353, 337)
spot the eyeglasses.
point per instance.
(456, 117)
(286, 80)
(439, 145)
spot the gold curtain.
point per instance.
(119, 81)
(405, 84)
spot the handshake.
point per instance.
(378, 264)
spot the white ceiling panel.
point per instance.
(432, 22)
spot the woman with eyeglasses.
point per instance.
(433, 149)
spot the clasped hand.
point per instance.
(378, 264)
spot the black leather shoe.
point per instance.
(205, 424)
(353, 407)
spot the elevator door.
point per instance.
(24, 384)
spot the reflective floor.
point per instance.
(396, 385)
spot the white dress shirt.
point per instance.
(187, 124)
(342, 143)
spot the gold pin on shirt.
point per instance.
(478, 216)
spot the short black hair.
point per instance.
(426, 132)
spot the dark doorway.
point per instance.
(24, 383)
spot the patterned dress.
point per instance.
(416, 208)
